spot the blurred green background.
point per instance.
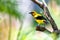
(17, 24)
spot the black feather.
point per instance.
(40, 18)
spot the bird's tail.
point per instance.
(46, 22)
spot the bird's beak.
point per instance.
(30, 12)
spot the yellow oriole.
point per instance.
(38, 17)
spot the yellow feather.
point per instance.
(40, 21)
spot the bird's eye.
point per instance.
(32, 12)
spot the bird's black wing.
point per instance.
(40, 18)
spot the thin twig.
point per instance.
(40, 4)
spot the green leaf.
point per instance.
(9, 7)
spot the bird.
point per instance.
(38, 18)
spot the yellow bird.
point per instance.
(38, 18)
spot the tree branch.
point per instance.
(47, 14)
(40, 28)
(40, 4)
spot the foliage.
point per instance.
(9, 7)
(58, 2)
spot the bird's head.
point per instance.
(33, 13)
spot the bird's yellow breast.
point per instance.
(40, 21)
